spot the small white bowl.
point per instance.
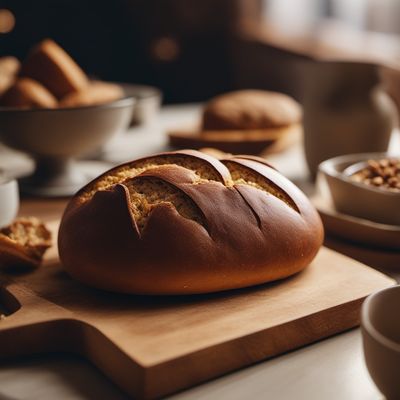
(55, 138)
(355, 198)
(9, 201)
(380, 326)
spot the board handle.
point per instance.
(19, 306)
(30, 325)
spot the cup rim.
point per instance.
(369, 326)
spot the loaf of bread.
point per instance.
(245, 110)
(184, 222)
(28, 93)
(49, 64)
(245, 121)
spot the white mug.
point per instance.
(9, 201)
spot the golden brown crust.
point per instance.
(23, 243)
(28, 93)
(49, 64)
(96, 93)
(249, 226)
(249, 110)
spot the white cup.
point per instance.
(9, 201)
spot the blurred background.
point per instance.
(193, 50)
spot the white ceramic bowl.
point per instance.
(9, 201)
(355, 198)
(55, 137)
(380, 325)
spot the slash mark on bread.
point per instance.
(242, 175)
(202, 168)
(147, 192)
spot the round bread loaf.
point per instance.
(185, 222)
(251, 110)
(245, 121)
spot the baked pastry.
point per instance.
(23, 243)
(49, 64)
(251, 110)
(245, 121)
(185, 222)
(96, 93)
(28, 93)
(9, 67)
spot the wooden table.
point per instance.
(330, 369)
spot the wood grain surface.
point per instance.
(152, 346)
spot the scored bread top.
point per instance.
(185, 222)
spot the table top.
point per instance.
(330, 369)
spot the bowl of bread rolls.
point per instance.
(51, 110)
(245, 122)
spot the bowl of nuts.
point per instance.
(365, 185)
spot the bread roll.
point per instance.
(96, 93)
(245, 121)
(28, 93)
(9, 67)
(185, 222)
(49, 64)
(251, 110)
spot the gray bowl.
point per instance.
(148, 102)
(380, 326)
(55, 137)
(355, 198)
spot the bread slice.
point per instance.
(28, 93)
(23, 243)
(96, 93)
(49, 64)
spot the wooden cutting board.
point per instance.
(152, 346)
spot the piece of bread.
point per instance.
(23, 243)
(250, 110)
(96, 93)
(9, 67)
(6, 81)
(185, 222)
(28, 93)
(49, 64)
